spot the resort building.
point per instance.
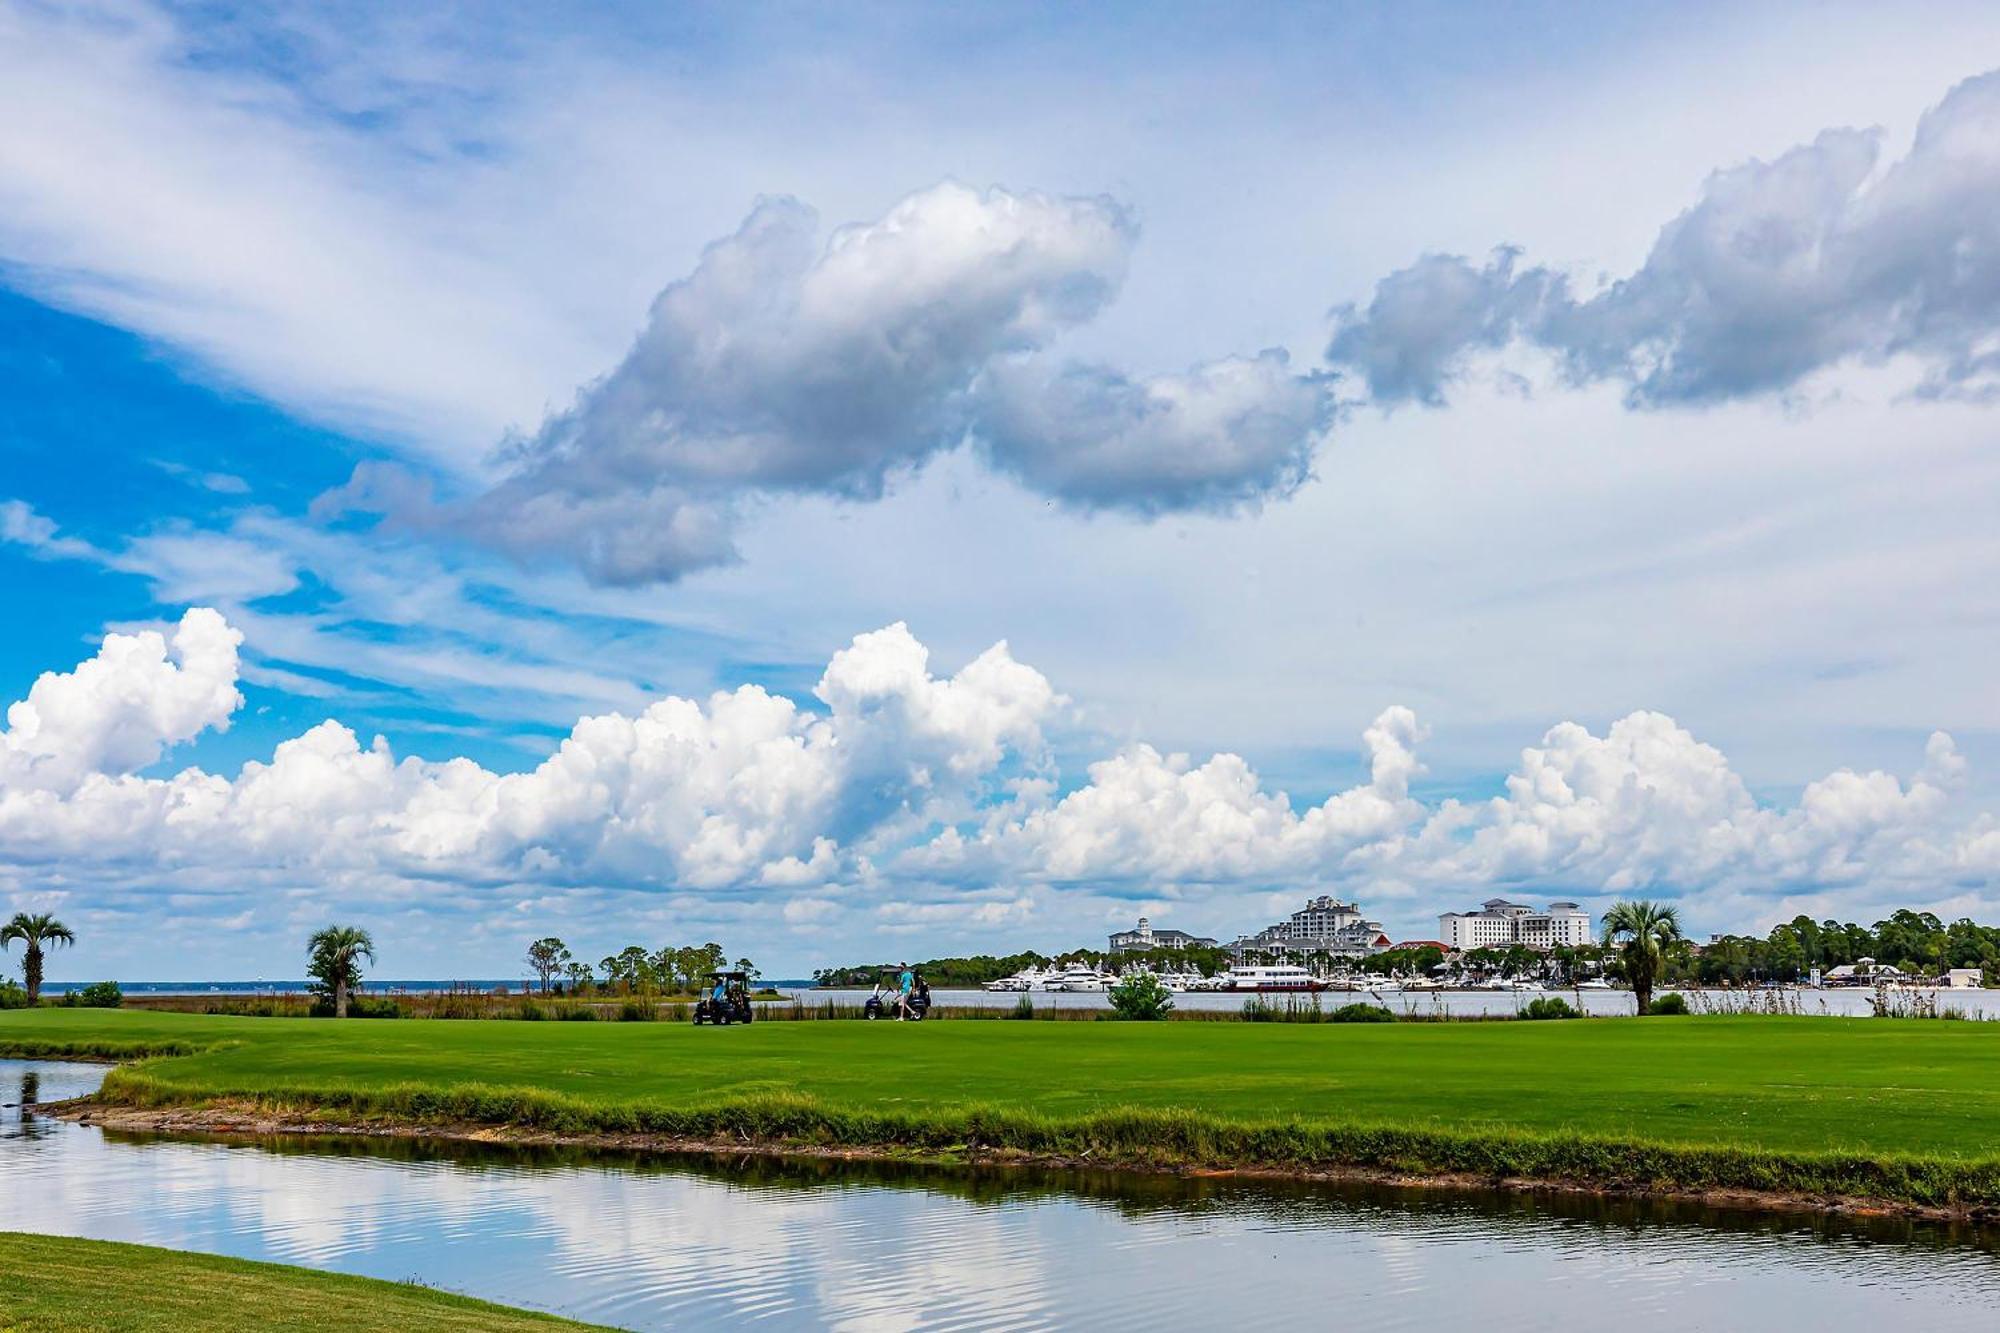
(1323, 926)
(1145, 939)
(1499, 924)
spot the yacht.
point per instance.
(1281, 978)
(1024, 980)
(1079, 977)
(1595, 983)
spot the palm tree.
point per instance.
(34, 931)
(1642, 929)
(337, 952)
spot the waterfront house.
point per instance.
(1146, 938)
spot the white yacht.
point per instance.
(1079, 977)
(1283, 977)
(1027, 979)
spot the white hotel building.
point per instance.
(1499, 924)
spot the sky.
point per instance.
(892, 482)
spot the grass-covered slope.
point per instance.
(53, 1284)
(1899, 1109)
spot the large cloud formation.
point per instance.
(942, 784)
(1780, 269)
(780, 365)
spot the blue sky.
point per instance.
(1412, 452)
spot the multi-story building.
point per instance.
(1145, 939)
(1499, 924)
(1323, 926)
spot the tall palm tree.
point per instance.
(336, 953)
(34, 931)
(1642, 930)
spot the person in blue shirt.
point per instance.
(905, 984)
(721, 995)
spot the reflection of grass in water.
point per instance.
(1868, 1107)
(1143, 1137)
(55, 1284)
(1335, 1205)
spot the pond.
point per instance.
(660, 1241)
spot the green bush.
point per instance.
(1141, 997)
(636, 1011)
(1023, 1008)
(1550, 1006)
(576, 1013)
(530, 1012)
(1361, 1013)
(12, 996)
(358, 1006)
(98, 995)
(1672, 1003)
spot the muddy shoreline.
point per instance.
(254, 1122)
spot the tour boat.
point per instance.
(1281, 978)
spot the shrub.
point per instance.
(1141, 997)
(1023, 1008)
(577, 1013)
(530, 1012)
(358, 1006)
(1670, 1004)
(12, 996)
(636, 1011)
(1361, 1013)
(98, 995)
(1551, 1006)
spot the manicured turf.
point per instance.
(1870, 1086)
(52, 1284)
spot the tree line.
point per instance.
(633, 970)
(979, 969)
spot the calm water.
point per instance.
(658, 1242)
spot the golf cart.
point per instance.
(733, 1007)
(882, 1004)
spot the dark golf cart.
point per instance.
(733, 1007)
(882, 1004)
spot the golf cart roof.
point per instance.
(729, 976)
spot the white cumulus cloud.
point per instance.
(933, 795)
(783, 365)
(1819, 256)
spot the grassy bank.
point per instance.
(53, 1284)
(1885, 1109)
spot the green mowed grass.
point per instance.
(1874, 1086)
(53, 1284)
